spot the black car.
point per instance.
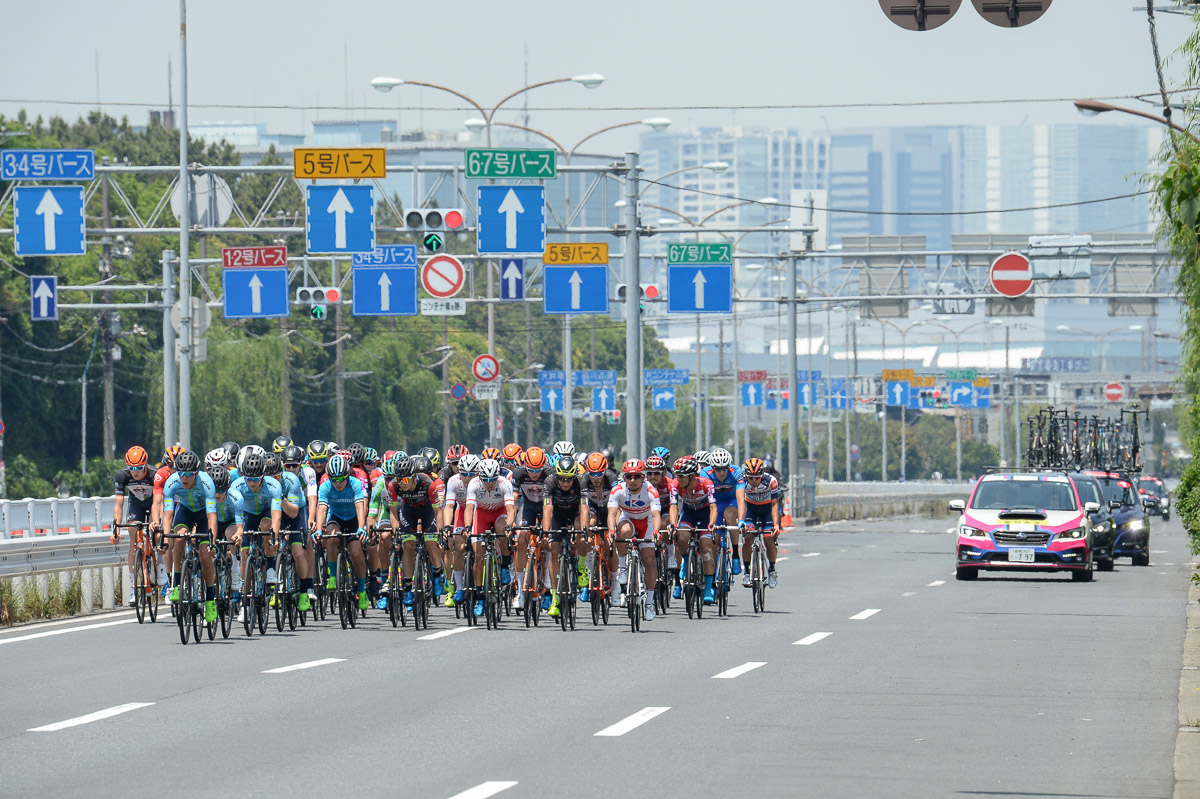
(1153, 487)
(1104, 530)
(1129, 515)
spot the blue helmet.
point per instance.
(663, 453)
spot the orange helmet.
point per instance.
(535, 459)
(754, 467)
(489, 453)
(512, 452)
(596, 463)
(136, 457)
(171, 454)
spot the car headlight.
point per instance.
(1134, 525)
(1078, 532)
(1100, 528)
(971, 532)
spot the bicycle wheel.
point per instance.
(260, 591)
(293, 605)
(279, 596)
(248, 600)
(139, 586)
(225, 597)
(181, 615)
(154, 594)
(196, 601)
(562, 592)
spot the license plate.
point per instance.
(1020, 555)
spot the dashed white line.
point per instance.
(50, 633)
(90, 717)
(866, 614)
(936, 583)
(810, 554)
(444, 633)
(631, 722)
(738, 671)
(312, 664)
(784, 557)
(1159, 551)
(809, 640)
(909, 593)
(485, 789)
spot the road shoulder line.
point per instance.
(1187, 740)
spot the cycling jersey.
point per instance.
(424, 491)
(309, 475)
(725, 491)
(201, 497)
(256, 504)
(597, 496)
(292, 487)
(227, 508)
(635, 505)
(380, 502)
(697, 496)
(531, 486)
(564, 503)
(499, 495)
(665, 489)
(456, 490)
(160, 479)
(342, 504)
(136, 489)
(446, 473)
(766, 492)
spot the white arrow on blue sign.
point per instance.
(255, 293)
(603, 399)
(511, 219)
(983, 397)
(340, 219)
(552, 400)
(43, 295)
(897, 392)
(575, 289)
(512, 279)
(752, 395)
(384, 292)
(48, 220)
(699, 288)
(962, 394)
(663, 399)
(837, 398)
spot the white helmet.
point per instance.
(247, 451)
(216, 457)
(489, 469)
(720, 458)
(468, 464)
(564, 448)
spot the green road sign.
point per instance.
(962, 374)
(700, 253)
(496, 163)
(433, 242)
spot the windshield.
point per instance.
(1118, 490)
(1089, 491)
(1039, 494)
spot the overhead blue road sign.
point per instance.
(666, 377)
(48, 165)
(593, 378)
(962, 395)
(48, 220)
(512, 279)
(384, 291)
(838, 398)
(803, 375)
(388, 255)
(700, 288)
(603, 399)
(663, 399)
(809, 393)
(552, 400)
(339, 219)
(43, 294)
(896, 392)
(575, 289)
(752, 395)
(983, 397)
(255, 293)
(512, 219)
(773, 402)
(914, 397)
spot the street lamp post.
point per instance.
(1089, 107)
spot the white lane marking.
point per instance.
(809, 640)
(1158, 552)
(866, 614)
(631, 722)
(90, 717)
(485, 789)
(909, 593)
(738, 671)
(49, 633)
(444, 633)
(44, 625)
(312, 664)
(936, 583)
(810, 554)
(782, 558)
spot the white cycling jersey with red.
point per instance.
(697, 496)
(495, 497)
(456, 490)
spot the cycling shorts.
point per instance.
(186, 517)
(342, 523)
(721, 506)
(531, 512)
(695, 519)
(254, 521)
(759, 515)
(411, 516)
(561, 520)
(642, 531)
(136, 511)
(485, 518)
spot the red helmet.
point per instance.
(596, 463)
(632, 468)
(535, 459)
(456, 452)
(655, 464)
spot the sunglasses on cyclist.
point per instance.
(338, 479)
(186, 474)
(637, 476)
(254, 479)
(654, 474)
(291, 466)
(317, 461)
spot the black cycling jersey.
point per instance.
(446, 473)
(597, 497)
(531, 487)
(138, 489)
(564, 500)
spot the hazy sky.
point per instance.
(276, 62)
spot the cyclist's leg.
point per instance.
(728, 516)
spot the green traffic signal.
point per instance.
(433, 242)
(318, 312)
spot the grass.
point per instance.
(18, 606)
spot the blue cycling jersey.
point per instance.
(293, 487)
(227, 508)
(256, 503)
(725, 491)
(341, 504)
(201, 496)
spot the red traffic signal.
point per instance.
(616, 414)
(937, 393)
(454, 219)
(786, 394)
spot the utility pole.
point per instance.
(595, 419)
(493, 433)
(849, 389)
(107, 320)
(569, 384)
(185, 269)
(285, 390)
(339, 364)
(696, 392)
(170, 417)
(446, 384)
(635, 428)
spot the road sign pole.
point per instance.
(635, 424)
(958, 444)
(169, 408)
(185, 272)
(569, 388)
(493, 433)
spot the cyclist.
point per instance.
(227, 504)
(758, 506)
(156, 509)
(634, 511)
(491, 453)
(729, 488)
(232, 448)
(379, 518)
(135, 481)
(490, 506)
(563, 495)
(261, 510)
(528, 480)
(342, 506)
(280, 444)
(415, 499)
(665, 454)
(453, 520)
(510, 457)
(189, 501)
(453, 455)
(294, 520)
(312, 473)
(659, 476)
(597, 484)
(694, 512)
(769, 468)
(435, 460)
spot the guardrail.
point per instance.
(40, 537)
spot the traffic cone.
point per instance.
(786, 520)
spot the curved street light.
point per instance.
(1093, 108)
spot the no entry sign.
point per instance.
(1010, 274)
(443, 276)
(1114, 392)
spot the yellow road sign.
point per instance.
(313, 163)
(983, 382)
(576, 253)
(922, 382)
(897, 374)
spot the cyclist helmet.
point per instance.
(769, 462)
(655, 463)
(686, 467)
(661, 452)
(596, 463)
(318, 450)
(433, 456)
(389, 466)
(187, 461)
(400, 453)
(511, 454)
(171, 454)
(754, 467)
(293, 454)
(371, 456)
(232, 448)
(456, 453)
(468, 465)
(253, 467)
(535, 459)
(405, 468)
(564, 466)
(581, 459)
(564, 448)
(220, 477)
(720, 458)
(357, 453)
(421, 464)
(274, 465)
(387, 456)
(281, 443)
(633, 468)
(213, 459)
(247, 451)
(701, 458)
(136, 457)
(337, 468)
(489, 469)
(334, 448)
(489, 453)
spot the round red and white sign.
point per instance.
(443, 276)
(485, 368)
(1114, 392)
(1011, 275)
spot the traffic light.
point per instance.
(317, 296)
(612, 417)
(647, 292)
(432, 225)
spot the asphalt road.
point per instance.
(873, 673)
